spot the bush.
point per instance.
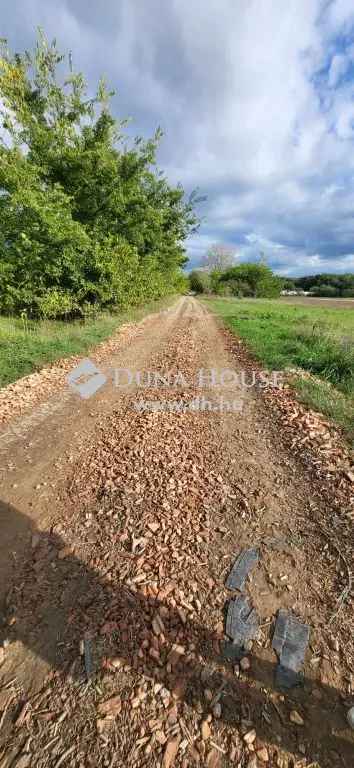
(56, 303)
(199, 281)
(252, 280)
(324, 290)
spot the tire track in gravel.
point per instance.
(36, 448)
(143, 534)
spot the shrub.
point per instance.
(56, 303)
(199, 281)
(255, 280)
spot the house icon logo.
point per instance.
(86, 379)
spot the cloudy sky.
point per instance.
(256, 100)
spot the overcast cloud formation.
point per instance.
(256, 100)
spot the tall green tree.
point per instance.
(250, 279)
(84, 218)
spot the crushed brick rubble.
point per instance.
(137, 568)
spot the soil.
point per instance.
(119, 528)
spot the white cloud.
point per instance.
(338, 68)
(341, 15)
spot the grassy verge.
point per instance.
(26, 346)
(318, 340)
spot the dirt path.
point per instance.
(119, 528)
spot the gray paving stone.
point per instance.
(246, 560)
(241, 621)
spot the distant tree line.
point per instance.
(258, 280)
(86, 220)
(336, 286)
(255, 280)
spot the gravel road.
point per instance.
(121, 518)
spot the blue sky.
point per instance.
(256, 99)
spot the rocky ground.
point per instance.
(119, 529)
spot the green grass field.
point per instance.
(26, 346)
(316, 339)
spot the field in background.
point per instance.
(319, 301)
(290, 333)
(28, 345)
